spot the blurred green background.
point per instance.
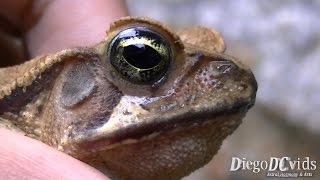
(280, 41)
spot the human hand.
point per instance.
(60, 24)
(25, 158)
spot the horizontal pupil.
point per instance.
(141, 56)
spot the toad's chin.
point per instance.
(173, 153)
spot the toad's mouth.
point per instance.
(178, 121)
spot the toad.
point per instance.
(145, 103)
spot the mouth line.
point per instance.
(134, 134)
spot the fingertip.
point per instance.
(72, 23)
(22, 157)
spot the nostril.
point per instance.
(252, 101)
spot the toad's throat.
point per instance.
(133, 134)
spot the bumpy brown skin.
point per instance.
(75, 101)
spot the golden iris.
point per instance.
(140, 54)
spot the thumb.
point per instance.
(73, 23)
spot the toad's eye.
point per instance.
(140, 54)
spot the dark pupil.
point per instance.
(141, 56)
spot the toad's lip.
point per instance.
(132, 134)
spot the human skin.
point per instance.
(59, 24)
